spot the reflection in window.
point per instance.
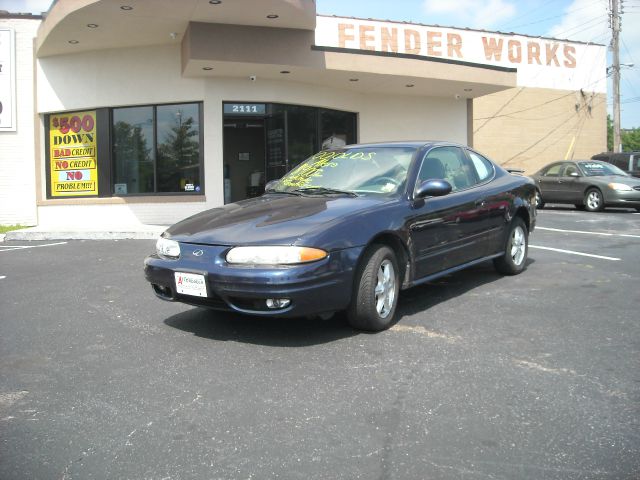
(483, 167)
(178, 148)
(133, 154)
(337, 128)
(157, 149)
(302, 133)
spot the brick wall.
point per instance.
(530, 127)
(17, 149)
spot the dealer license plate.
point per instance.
(191, 284)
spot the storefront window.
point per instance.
(337, 128)
(302, 138)
(178, 148)
(156, 149)
(133, 152)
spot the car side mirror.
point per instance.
(433, 188)
(270, 184)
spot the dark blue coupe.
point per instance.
(346, 230)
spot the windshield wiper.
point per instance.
(325, 191)
(271, 190)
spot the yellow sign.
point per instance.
(72, 153)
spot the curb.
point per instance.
(25, 235)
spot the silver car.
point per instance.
(589, 184)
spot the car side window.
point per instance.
(636, 162)
(553, 170)
(569, 169)
(448, 163)
(483, 167)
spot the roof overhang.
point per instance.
(240, 38)
(211, 50)
(73, 26)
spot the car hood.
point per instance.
(271, 219)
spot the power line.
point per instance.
(553, 130)
(556, 16)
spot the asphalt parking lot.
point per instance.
(528, 377)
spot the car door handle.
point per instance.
(480, 203)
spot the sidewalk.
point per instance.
(66, 232)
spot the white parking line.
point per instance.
(571, 252)
(6, 248)
(604, 234)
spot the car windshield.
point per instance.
(358, 170)
(600, 169)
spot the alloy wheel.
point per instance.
(518, 245)
(385, 290)
(593, 200)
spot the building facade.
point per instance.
(139, 113)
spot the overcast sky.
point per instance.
(584, 20)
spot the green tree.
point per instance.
(133, 162)
(631, 140)
(179, 156)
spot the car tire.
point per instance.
(593, 200)
(514, 259)
(376, 289)
(538, 200)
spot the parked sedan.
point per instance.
(348, 229)
(589, 184)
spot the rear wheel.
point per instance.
(515, 254)
(377, 285)
(593, 201)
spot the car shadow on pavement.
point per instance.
(419, 299)
(274, 332)
(302, 332)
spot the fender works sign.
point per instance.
(540, 62)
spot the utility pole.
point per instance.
(615, 70)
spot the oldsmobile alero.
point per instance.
(346, 230)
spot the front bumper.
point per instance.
(313, 288)
(627, 199)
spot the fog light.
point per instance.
(278, 302)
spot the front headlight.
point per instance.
(167, 248)
(620, 187)
(263, 255)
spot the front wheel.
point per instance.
(593, 201)
(376, 291)
(538, 200)
(515, 254)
